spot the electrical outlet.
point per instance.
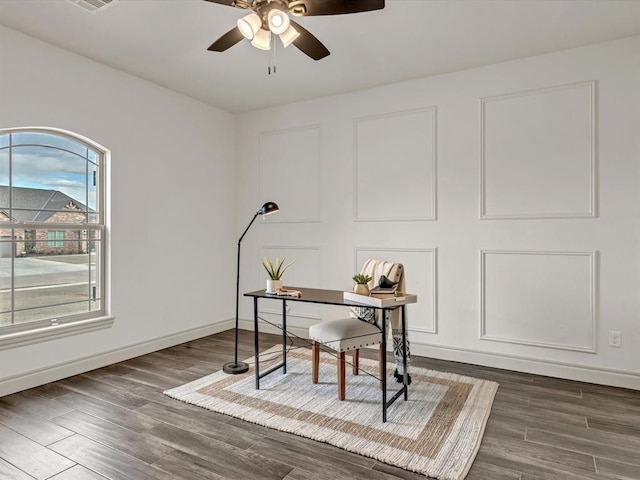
(615, 338)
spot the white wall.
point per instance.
(511, 193)
(172, 183)
(428, 172)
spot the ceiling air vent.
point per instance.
(93, 6)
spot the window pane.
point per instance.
(92, 191)
(4, 168)
(93, 243)
(48, 170)
(5, 276)
(4, 140)
(58, 296)
(5, 298)
(94, 218)
(50, 312)
(51, 285)
(55, 238)
(30, 138)
(95, 248)
(57, 242)
(4, 185)
(65, 215)
(6, 246)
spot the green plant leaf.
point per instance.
(275, 269)
(361, 279)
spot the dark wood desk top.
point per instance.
(311, 295)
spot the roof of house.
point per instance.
(35, 204)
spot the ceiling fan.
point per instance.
(269, 17)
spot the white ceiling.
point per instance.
(165, 42)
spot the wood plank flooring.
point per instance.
(115, 423)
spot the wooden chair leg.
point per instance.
(355, 361)
(315, 362)
(380, 369)
(341, 376)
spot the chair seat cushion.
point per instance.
(345, 334)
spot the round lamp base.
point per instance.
(235, 368)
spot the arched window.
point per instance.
(52, 230)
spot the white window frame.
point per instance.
(42, 330)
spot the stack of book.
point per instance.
(386, 291)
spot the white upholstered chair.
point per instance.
(350, 334)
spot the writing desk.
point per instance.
(332, 297)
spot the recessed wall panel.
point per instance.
(305, 271)
(290, 173)
(544, 299)
(395, 156)
(420, 271)
(538, 153)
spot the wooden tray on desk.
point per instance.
(382, 300)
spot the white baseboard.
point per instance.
(569, 371)
(57, 372)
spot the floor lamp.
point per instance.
(236, 367)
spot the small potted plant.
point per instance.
(275, 270)
(361, 287)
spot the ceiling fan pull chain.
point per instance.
(275, 51)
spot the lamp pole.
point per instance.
(236, 367)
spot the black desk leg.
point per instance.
(284, 336)
(383, 353)
(256, 347)
(405, 378)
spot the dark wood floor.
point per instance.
(116, 423)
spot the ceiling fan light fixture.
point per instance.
(262, 39)
(278, 21)
(249, 25)
(289, 35)
(297, 8)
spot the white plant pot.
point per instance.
(273, 285)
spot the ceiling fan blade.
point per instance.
(309, 44)
(230, 3)
(226, 41)
(332, 7)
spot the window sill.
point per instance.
(38, 335)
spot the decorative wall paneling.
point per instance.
(395, 166)
(542, 299)
(538, 153)
(293, 153)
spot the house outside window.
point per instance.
(52, 231)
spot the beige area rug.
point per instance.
(437, 432)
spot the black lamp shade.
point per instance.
(269, 207)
